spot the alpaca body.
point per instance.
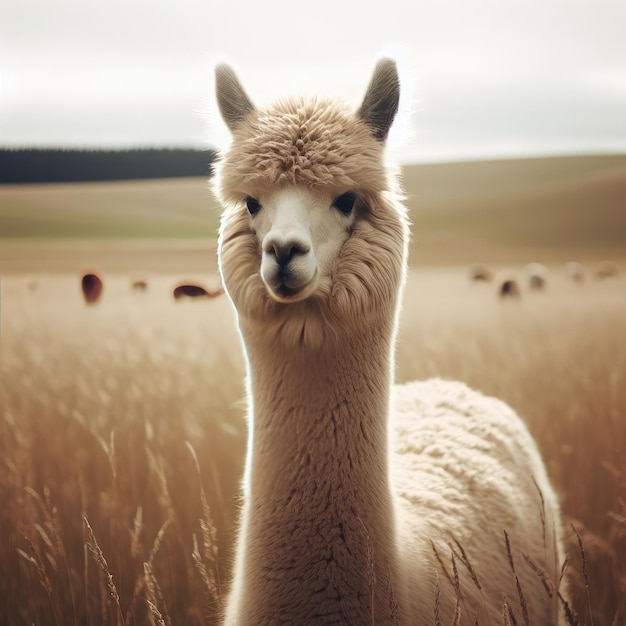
(470, 462)
(356, 492)
(320, 488)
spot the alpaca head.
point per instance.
(313, 233)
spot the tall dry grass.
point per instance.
(122, 437)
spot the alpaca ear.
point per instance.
(380, 104)
(232, 100)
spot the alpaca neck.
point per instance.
(317, 535)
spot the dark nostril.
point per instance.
(284, 252)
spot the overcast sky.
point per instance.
(483, 78)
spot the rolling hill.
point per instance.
(485, 210)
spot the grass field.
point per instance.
(495, 211)
(121, 425)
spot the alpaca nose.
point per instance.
(285, 249)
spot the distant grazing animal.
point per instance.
(509, 288)
(607, 269)
(139, 285)
(536, 276)
(507, 285)
(346, 520)
(479, 272)
(195, 291)
(575, 271)
(91, 285)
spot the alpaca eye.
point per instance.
(345, 202)
(252, 205)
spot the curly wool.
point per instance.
(302, 142)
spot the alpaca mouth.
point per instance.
(286, 293)
(281, 291)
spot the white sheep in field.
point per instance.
(575, 271)
(607, 269)
(479, 272)
(358, 493)
(536, 275)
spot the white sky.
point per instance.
(483, 78)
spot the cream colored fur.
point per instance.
(356, 492)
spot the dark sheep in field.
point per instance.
(508, 286)
(478, 272)
(195, 291)
(91, 285)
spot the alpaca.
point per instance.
(363, 502)
(91, 285)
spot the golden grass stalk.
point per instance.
(155, 614)
(616, 517)
(444, 569)
(41, 570)
(457, 590)
(158, 540)
(437, 600)
(135, 542)
(209, 532)
(35, 560)
(209, 581)
(563, 569)
(585, 574)
(569, 615)
(520, 592)
(547, 583)
(461, 556)
(393, 601)
(209, 542)
(522, 601)
(98, 556)
(154, 596)
(156, 465)
(508, 615)
(509, 551)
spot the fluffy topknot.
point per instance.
(302, 142)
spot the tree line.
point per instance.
(51, 165)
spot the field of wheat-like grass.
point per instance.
(122, 435)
